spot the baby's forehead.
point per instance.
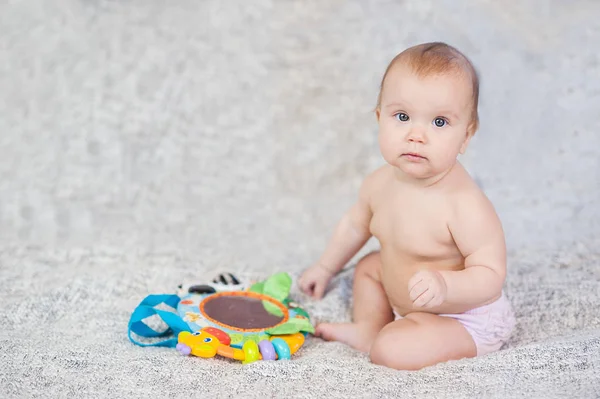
(404, 70)
(449, 90)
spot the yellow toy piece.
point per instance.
(251, 352)
(294, 341)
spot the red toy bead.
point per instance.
(221, 335)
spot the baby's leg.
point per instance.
(371, 308)
(420, 340)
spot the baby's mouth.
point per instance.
(413, 156)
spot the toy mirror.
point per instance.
(244, 311)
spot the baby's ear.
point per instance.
(472, 128)
(377, 113)
(465, 143)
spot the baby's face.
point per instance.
(423, 121)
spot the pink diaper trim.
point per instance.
(490, 325)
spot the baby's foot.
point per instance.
(358, 336)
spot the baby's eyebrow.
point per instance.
(394, 105)
(450, 114)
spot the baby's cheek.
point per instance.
(452, 151)
(388, 147)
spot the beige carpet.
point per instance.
(145, 143)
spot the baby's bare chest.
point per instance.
(413, 226)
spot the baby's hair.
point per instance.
(438, 58)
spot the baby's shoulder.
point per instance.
(373, 184)
(377, 179)
(469, 200)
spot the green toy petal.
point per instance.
(273, 309)
(278, 286)
(258, 287)
(292, 326)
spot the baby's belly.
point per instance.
(398, 269)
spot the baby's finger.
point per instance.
(306, 287)
(301, 283)
(424, 299)
(418, 290)
(319, 290)
(435, 301)
(414, 280)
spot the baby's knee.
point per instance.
(369, 263)
(395, 359)
(393, 349)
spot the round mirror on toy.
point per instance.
(257, 323)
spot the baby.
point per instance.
(433, 292)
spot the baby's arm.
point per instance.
(478, 234)
(351, 233)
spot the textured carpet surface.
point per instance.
(146, 143)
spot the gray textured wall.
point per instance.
(247, 128)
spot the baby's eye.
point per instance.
(440, 122)
(401, 116)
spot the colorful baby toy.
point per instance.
(252, 323)
(211, 341)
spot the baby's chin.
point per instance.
(412, 171)
(416, 171)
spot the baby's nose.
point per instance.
(416, 134)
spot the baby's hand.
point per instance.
(314, 280)
(427, 289)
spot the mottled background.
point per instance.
(143, 143)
